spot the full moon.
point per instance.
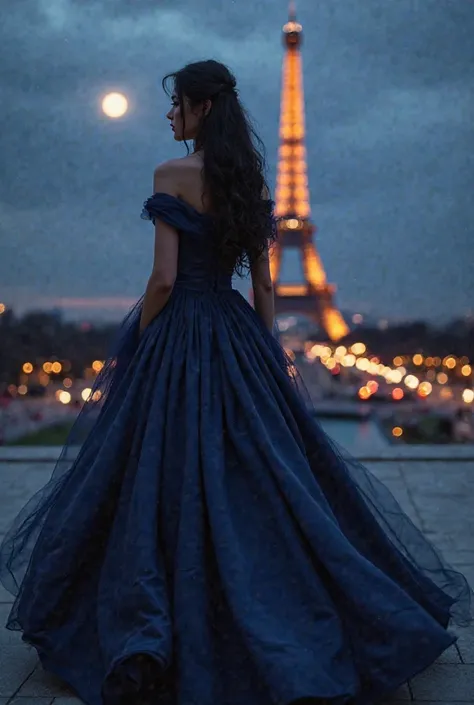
(114, 105)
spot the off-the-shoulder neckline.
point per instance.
(193, 208)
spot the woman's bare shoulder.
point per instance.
(183, 176)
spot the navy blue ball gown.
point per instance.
(203, 542)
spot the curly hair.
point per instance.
(234, 163)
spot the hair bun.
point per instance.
(227, 87)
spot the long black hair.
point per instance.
(234, 162)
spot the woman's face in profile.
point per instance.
(192, 118)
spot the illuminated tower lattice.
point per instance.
(314, 296)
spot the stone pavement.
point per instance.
(438, 494)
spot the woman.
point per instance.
(209, 544)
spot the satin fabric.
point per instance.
(203, 541)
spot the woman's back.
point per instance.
(184, 205)
(197, 263)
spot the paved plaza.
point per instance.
(434, 486)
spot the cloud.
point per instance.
(388, 100)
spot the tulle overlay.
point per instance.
(203, 541)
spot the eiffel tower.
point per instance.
(314, 296)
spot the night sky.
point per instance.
(389, 115)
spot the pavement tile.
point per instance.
(444, 682)
(5, 596)
(458, 556)
(402, 694)
(17, 664)
(438, 495)
(386, 470)
(468, 572)
(465, 644)
(44, 684)
(451, 655)
(454, 539)
(400, 492)
(7, 636)
(31, 701)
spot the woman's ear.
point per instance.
(207, 107)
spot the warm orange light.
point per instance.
(64, 397)
(411, 381)
(418, 359)
(449, 362)
(313, 268)
(283, 193)
(334, 323)
(292, 290)
(398, 393)
(397, 431)
(425, 389)
(292, 164)
(466, 370)
(372, 386)
(43, 379)
(349, 360)
(284, 179)
(292, 199)
(446, 393)
(27, 368)
(331, 363)
(362, 364)
(358, 348)
(468, 396)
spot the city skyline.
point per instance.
(388, 106)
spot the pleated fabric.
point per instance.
(203, 541)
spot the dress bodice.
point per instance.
(198, 263)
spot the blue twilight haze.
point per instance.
(389, 107)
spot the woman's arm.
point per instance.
(262, 285)
(263, 290)
(165, 260)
